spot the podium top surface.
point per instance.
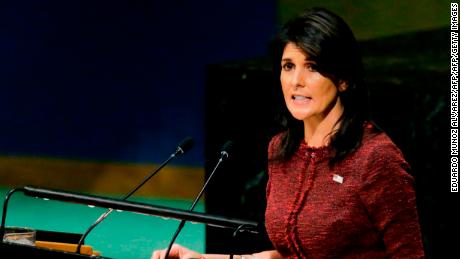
(26, 251)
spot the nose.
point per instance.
(298, 78)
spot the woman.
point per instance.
(338, 186)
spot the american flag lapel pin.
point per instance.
(337, 178)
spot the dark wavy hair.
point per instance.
(329, 42)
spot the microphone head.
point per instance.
(226, 148)
(185, 145)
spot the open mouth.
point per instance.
(300, 98)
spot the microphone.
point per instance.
(183, 147)
(223, 156)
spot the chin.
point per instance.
(300, 115)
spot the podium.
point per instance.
(13, 250)
(25, 251)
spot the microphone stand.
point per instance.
(181, 149)
(224, 154)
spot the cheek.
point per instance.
(283, 80)
(328, 95)
(284, 86)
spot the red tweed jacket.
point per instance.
(363, 207)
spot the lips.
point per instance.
(300, 98)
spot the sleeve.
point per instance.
(389, 197)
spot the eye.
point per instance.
(287, 66)
(312, 67)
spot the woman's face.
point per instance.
(308, 94)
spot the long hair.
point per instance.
(328, 41)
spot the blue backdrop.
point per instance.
(117, 80)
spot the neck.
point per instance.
(318, 130)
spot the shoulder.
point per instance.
(378, 146)
(275, 144)
(382, 158)
(377, 142)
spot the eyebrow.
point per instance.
(290, 60)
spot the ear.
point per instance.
(343, 85)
